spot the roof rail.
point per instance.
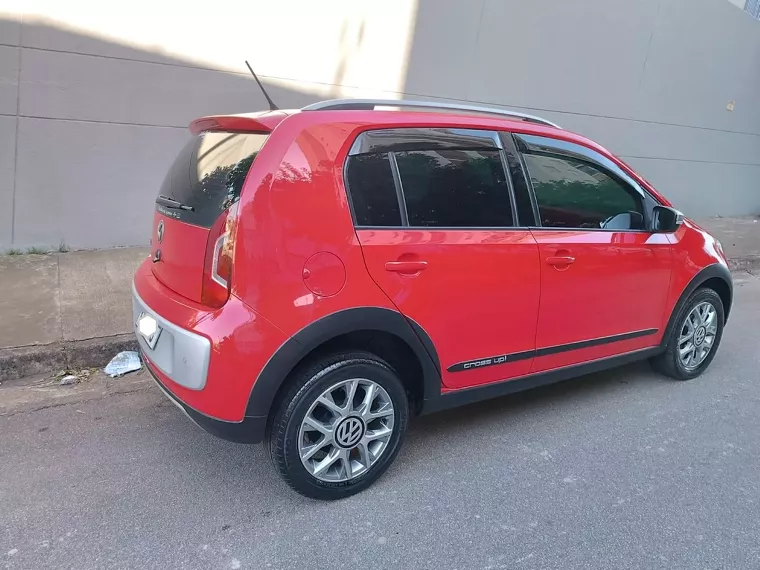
(370, 104)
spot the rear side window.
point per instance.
(429, 177)
(208, 176)
(373, 192)
(455, 188)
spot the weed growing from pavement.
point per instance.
(63, 247)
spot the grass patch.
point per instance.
(34, 250)
(14, 251)
(63, 248)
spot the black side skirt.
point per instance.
(494, 390)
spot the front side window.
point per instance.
(454, 188)
(572, 192)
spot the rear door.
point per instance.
(436, 220)
(604, 276)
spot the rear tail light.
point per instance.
(220, 251)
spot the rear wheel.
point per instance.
(339, 426)
(695, 337)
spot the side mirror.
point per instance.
(666, 220)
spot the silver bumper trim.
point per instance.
(180, 354)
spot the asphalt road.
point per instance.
(623, 469)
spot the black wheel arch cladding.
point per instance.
(321, 331)
(715, 271)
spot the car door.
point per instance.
(604, 275)
(435, 219)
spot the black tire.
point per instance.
(305, 388)
(668, 362)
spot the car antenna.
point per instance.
(272, 106)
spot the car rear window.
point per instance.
(208, 176)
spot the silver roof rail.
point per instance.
(370, 104)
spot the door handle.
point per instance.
(560, 260)
(406, 267)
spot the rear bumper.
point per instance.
(182, 355)
(250, 430)
(207, 360)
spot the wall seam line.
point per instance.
(94, 121)
(580, 114)
(15, 138)
(649, 44)
(438, 97)
(474, 54)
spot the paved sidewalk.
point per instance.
(65, 310)
(74, 309)
(740, 238)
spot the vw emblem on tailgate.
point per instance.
(160, 231)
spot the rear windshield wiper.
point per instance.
(172, 203)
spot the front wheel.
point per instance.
(695, 338)
(339, 426)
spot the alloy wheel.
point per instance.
(346, 430)
(697, 335)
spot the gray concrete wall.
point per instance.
(650, 79)
(94, 105)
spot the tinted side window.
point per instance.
(574, 193)
(373, 192)
(455, 188)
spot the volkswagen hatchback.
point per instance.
(317, 276)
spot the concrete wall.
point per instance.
(94, 104)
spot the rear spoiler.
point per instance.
(254, 122)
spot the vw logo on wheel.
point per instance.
(699, 336)
(349, 432)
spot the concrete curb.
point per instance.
(45, 358)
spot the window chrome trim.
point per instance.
(447, 228)
(401, 139)
(564, 229)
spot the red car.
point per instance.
(317, 276)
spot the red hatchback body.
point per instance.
(319, 275)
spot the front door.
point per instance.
(435, 222)
(604, 277)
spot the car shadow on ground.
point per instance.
(439, 435)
